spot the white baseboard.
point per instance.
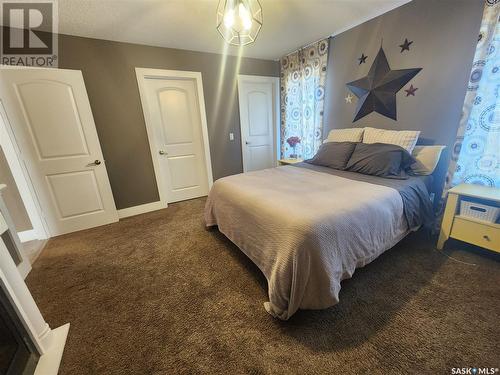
(27, 235)
(141, 209)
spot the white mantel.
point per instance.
(49, 343)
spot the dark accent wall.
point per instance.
(109, 72)
(444, 35)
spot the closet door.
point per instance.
(175, 118)
(258, 121)
(52, 122)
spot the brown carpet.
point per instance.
(159, 294)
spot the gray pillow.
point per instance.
(333, 155)
(380, 159)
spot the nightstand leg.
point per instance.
(449, 213)
(441, 240)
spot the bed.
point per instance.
(309, 227)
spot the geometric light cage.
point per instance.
(239, 21)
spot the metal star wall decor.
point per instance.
(362, 59)
(411, 90)
(406, 45)
(349, 98)
(377, 91)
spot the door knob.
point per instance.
(161, 152)
(247, 143)
(96, 162)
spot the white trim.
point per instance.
(23, 311)
(48, 343)
(141, 209)
(49, 362)
(276, 105)
(27, 235)
(21, 177)
(142, 74)
(6, 224)
(12, 282)
(24, 268)
(277, 130)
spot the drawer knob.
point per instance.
(486, 237)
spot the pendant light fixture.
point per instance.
(239, 21)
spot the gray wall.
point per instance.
(108, 71)
(444, 34)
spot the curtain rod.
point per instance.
(305, 46)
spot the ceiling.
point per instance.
(190, 24)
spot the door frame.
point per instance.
(276, 112)
(142, 74)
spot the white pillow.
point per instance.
(345, 135)
(427, 159)
(406, 139)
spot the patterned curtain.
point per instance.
(476, 153)
(303, 75)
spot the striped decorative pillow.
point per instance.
(406, 139)
(345, 135)
(427, 158)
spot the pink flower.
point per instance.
(293, 141)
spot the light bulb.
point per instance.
(247, 23)
(239, 21)
(245, 18)
(229, 18)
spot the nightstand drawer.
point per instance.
(485, 235)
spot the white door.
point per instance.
(258, 97)
(52, 122)
(176, 124)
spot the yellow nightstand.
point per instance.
(467, 229)
(290, 161)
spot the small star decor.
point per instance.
(377, 91)
(406, 45)
(411, 90)
(362, 59)
(349, 98)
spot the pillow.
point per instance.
(333, 155)
(405, 138)
(380, 159)
(426, 159)
(345, 135)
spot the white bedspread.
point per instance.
(305, 230)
